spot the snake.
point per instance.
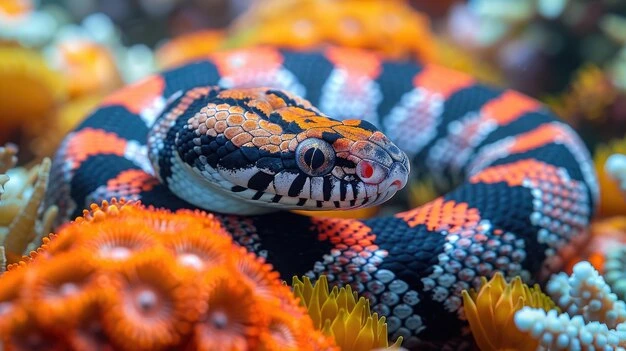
(252, 134)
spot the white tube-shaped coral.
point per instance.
(558, 289)
(594, 297)
(556, 331)
(586, 293)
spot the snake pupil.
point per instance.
(314, 157)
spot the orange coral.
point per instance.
(11, 311)
(78, 58)
(197, 252)
(390, 27)
(31, 90)
(189, 47)
(152, 308)
(127, 277)
(256, 272)
(60, 289)
(113, 243)
(12, 9)
(232, 319)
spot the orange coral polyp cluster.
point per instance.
(128, 277)
(390, 27)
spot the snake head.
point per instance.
(350, 164)
(270, 149)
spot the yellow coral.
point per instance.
(342, 314)
(11, 9)
(491, 310)
(29, 89)
(589, 96)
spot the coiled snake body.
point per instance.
(523, 183)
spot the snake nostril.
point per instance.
(397, 183)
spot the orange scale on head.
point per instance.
(233, 318)
(154, 306)
(352, 133)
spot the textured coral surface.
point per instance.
(127, 277)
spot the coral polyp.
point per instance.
(593, 319)
(153, 306)
(61, 289)
(233, 319)
(491, 309)
(113, 280)
(342, 314)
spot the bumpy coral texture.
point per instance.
(343, 315)
(390, 27)
(594, 318)
(491, 309)
(127, 277)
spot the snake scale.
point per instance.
(231, 134)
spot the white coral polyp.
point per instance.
(593, 296)
(556, 331)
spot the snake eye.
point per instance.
(315, 157)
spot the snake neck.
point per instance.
(191, 185)
(194, 185)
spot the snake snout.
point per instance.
(397, 178)
(374, 173)
(382, 164)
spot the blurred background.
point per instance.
(58, 58)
